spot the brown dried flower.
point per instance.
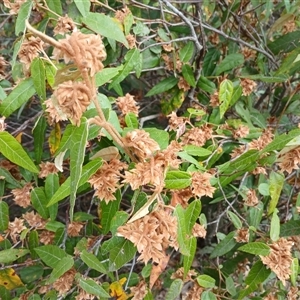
(197, 135)
(65, 282)
(2, 124)
(86, 50)
(3, 65)
(106, 180)
(69, 100)
(34, 220)
(15, 228)
(127, 104)
(252, 199)
(199, 231)
(64, 25)
(121, 14)
(248, 53)
(140, 291)
(22, 195)
(140, 143)
(214, 100)
(194, 292)
(46, 237)
(74, 228)
(182, 84)
(293, 293)
(47, 168)
(241, 132)
(242, 235)
(83, 295)
(248, 86)
(30, 49)
(290, 160)
(201, 184)
(279, 260)
(131, 41)
(14, 7)
(179, 274)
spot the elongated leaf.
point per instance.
(106, 75)
(206, 85)
(108, 211)
(19, 95)
(39, 202)
(83, 6)
(290, 228)
(255, 214)
(130, 60)
(9, 178)
(55, 6)
(51, 186)
(87, 171)
(175, 289)
(206, 281)
(51, 255)
(182, 232)
(235, 220)
(285, 43)
(131, 120)
(256, 248)
(38, 75)
(77, 153)
(91, 287)
(160, 136)
(230, 62)
(188, 75)
(10, 255)
(105, 26)
(165, 85)
(280, 141)
(224, 246)
(4, 216)
(275, 188)
(65, 264)
(188, 259)
(294, 271)
(258, 274)
(13, 151)
(39, 138)
(121, 255)
(177, 180)
(23, 14)
(225, 96)
(186, 53)
(92, 262)
(210, 61)
(230, 286)
(191, 214)
(269, 79)
(275, 226)
(196, 151)
(208, 295)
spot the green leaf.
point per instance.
(65, 264)
(131, 121)
(255, 214)
(51, 186)
(230, 286)
(182, 232)
(258, 274)
(33, 242)
(188, 75)
(23, 14)
(106, 75)
(290, 228)
(275, 188)
(128, 22)
(87, 171)
(19, 95)
(131, 57)
(118, 220)
(285, 43)
(163, 86)
(108, 211)
(186, 53)
(206, 85)
(83, 6)
(192, 214)
(177, 180)
(160, 136)
(208, 295)
(121, 254)
(224, 246)
(294, 271)
(13, 151)
(10, 255)
(256, 248)
(51, 255)
(92, 262)
(9, 178)
(210, 61)
(91, 287)
(174, 290)
(188, 259)
(275, 226)
(38, 76)
(196, 151)
(230, 62)
(225, 96)
(50, 73)
(39, 138)
(268, 79)
(39, 202)
(55, 6)
(281, 140)
(235, 219)
(77, 154)
(4, 216)
(206, 281)
(106, 26)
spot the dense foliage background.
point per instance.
(149, 149)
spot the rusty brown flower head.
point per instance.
(64, 25)
(127, 104)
